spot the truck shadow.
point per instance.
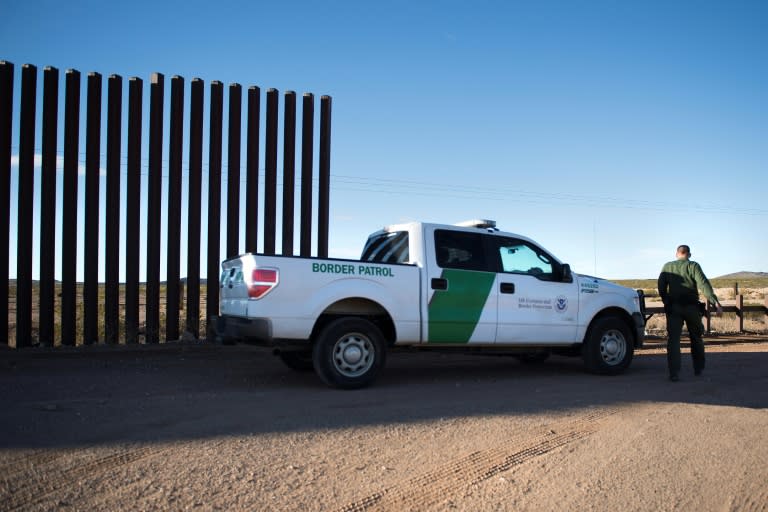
(88, 398)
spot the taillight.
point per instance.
(262, 281)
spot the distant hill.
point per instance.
(745, 275)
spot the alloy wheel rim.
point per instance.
(613, 347)
(353, 355)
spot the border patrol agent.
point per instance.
(679, 284)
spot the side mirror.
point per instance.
(566, 273)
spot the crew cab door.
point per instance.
(461, 296)
(537, 303)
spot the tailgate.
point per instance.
(234, 291)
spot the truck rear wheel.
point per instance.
(349, 353)
(609, 347)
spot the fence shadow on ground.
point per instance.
(83, 397)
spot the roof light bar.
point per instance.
(478, 223)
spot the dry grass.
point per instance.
(726, 324)
(101, 323)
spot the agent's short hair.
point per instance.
(683, 249)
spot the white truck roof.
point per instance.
(470, 225)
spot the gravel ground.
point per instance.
(206, 427)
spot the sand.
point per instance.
(204, 427)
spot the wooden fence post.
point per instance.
(765, 305)
(740, 311)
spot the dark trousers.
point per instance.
(692, 317)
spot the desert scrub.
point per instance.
(35, 333)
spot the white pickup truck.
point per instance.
(431, 286)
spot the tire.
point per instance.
(297, 361)
(609, 347)
(349, 353)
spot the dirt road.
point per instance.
(229, 428)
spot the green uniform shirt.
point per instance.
(680, 281)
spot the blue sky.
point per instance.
(609, 131)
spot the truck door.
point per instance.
(535, 305)
(461, 297)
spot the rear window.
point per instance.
(460, 249)
(389, 247)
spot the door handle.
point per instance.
(507, 288)
(438, 283)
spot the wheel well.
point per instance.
(362, 308)
(618, 313)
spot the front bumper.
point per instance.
(639, 329)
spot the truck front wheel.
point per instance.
(608, 348)
(349, 353)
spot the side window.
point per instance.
(519, 257)
(387, 248)
(458, 249)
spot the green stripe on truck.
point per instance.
(454, 313)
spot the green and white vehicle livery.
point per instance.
(463, 287)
